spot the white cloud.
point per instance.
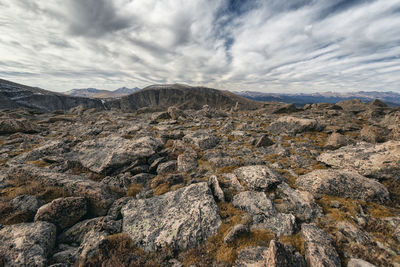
(291, 46)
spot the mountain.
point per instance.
(98, 93)
(14, 95)
(182, 96)
(390, 98)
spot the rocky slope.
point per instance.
(273, 186)
(14, 96)
(98, 93)
(184, 97)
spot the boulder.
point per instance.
(354, 105)
(251, 257)
(319, 247)
(237, 231)
(104, 155)
(343, 183)
(258, 177)
(166, 167)
(281, 255)
(186, 162)
(378, 103)
(202, 140)
(63, 212)
(27, 203)
(175, 113)
(336, 140)
(264, 215)
(373, 134)
(10, 126)
(178, 219)
(216, 189)
(286, 108)
(27, 244)
(359, 263)
(293, 125)
(373, 160)
(264, 141)
(99, 196)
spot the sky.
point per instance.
(292, 46)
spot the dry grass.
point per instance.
(39, 163)
(348, 210)
(161, 189)
(295, 241)
(134, 189)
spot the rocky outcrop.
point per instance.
(99, 197)
(178, 219)
(27, 244)
(319, 247)
(104, 155)
(372, 160)
(9, 126)
(258, 177)
(293, 125)
(342, 183)
(201, 140)
(63, 212)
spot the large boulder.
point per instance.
(10, 126)
(372, 160)
(319, 247)
(343, 183)
(103, 155)
(27, 244)
(353, 105)
(99, 196)
(258, 177)
(63, 212)
(178, 219)
(293, 125)
(202, 140)
(48, 149)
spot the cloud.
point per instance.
(270, 45)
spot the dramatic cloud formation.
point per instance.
(263, 45)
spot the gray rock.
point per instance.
(372, 160)
(67, 256)
(264, 141)
(373, 134)
(27, 244)
(175, 113)
(215, 188)
(300, 203)
(232, 181)
(10, 126)
(27, 203)
(343, 183)
(99, 196)
(258, 177)
(219, 162)
(166, 167)
(178, 219)
(293, 125)
(286, 108)
(202, 140)
(103, 155)
(264, 215)
(281, 255)
(63, 212)
(237, 231)
(115, 209)
(76, 233)
(92, 246)
(354, 233)
(354, 105)
(160, 116)
(251, 257)
(186, 162)
(336, 140)
(319, 247)
(359, 263)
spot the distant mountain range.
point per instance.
(390, 98)
(99, 93)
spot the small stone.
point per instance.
(237, 231)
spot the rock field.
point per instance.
(274, 186)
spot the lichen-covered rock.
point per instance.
(264, 141)
(50, 148)
(105, 154)
(63, 212)
(258, 177)
(202, 140)
(251, 257)
(27, 203)
(99, 197)
(175, 113)
(343, 183)
(77, 232)
(336, 140)
(186, 162)
(215, 188)
(235, 232)
(264, 215)
(10, 126)
(281, 255)
(293, 125)
(178, 219)
(373, 134)
(372, 160)
(359, 263)
(319, 247)
(27, 244)
(166, 167)
(91, 247)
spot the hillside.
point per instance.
(184, 97)
(98, 93)
(14, 95)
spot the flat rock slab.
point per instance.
(178, 219)
(27, 244)
(103, 154)
(99, 196)
(343, 183)
(375, 160)
(258, 177)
